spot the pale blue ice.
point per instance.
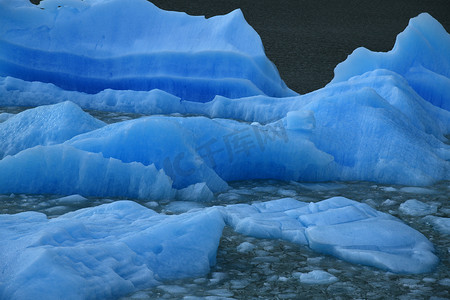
(115, 249)
(224, 115)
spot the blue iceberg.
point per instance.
(420, 55)
(373, 122)
(191, 57)
(114, 249)
(44, 125)
(216, 111)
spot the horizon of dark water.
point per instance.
(306, 39)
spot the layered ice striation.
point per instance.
(114, 249)
(381, 119)
(134, 46)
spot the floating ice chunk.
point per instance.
(349, 230)
(388, 202)
(198, 192)
(72, 199)
(44, 125)
(417, 208)
(117, 248)
(316, 277)
(106, 251)
(445, 282)
(389, 189)
(245, 247)
(239, 284)
(440, 224)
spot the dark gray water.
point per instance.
(306, 39)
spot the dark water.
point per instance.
(306, 39)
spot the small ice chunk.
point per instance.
(417, 208)
(239, 284)
(72, 199)
(287, 193)
(316, 277)
(198, 192)
(151, 204)
(440, 224)
(389, 189)
(388, 202)
(220, 293)
(245, 247)
(445, 282)
(217, 277)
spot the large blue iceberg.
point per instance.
(191, 57)
(216, 111)
(381, 118)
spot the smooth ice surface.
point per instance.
(134, 46)
(114, 249)
(414, 207)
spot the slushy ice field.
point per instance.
(164, 157)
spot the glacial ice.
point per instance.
(103, 252)
(414, 207)
(62, 169)
(316, 277)
(225, 115)
(44, 125)
(191, 57)
(420, 55)
(370, 125)
(114, 249)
